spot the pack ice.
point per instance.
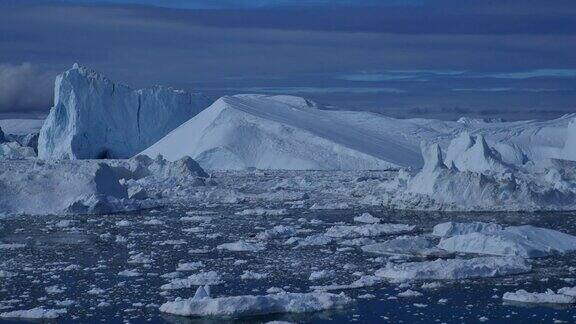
(93, 117)
(90, 186)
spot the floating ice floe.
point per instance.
(548, 297)
(199, 279)
(351, 231)
(312, 240)
(189, 266)
(367, 218)
(251, 275)
(452, 269)
(277, 232)
(405, 245)
(242, 246)
(262, 212)
(34, 313)
(322, 274)
(364, 281)
(525, 241)
(409, 294)
(249, 305)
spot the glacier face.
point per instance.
(94, 117)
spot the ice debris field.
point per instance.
(167, 206)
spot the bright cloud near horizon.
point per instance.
(441, 59)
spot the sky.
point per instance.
(444, 59)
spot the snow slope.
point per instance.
(94, 117)
(243, 131)
(284, 132)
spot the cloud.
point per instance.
(24, 87)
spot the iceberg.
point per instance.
(525, 241)
(453, 269)
(405, 245)
(249, 305)
(548, 297)
(265, 132)
(450, 229)
(95, 118)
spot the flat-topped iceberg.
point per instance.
(453, 269)
(548, 297)
(525, 241)
(94, 117)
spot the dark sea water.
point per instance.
(99, 247)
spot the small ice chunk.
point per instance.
(200, 279)
(189, 266)
(367, 218)
(279, 231)
(252, 275)
(242, 246)
(368, 230)
(322, 274)
(410, 293)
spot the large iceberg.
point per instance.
(286, 132)
(279, 132)
(94, 117)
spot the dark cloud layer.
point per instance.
(24, 87)
(312, 51)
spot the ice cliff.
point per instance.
(94, 117)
